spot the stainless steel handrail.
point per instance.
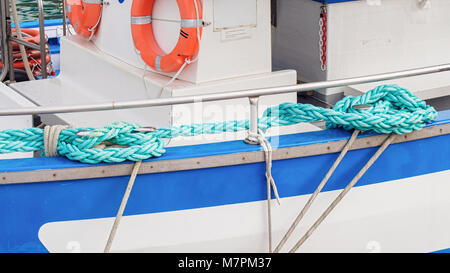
(222, 96)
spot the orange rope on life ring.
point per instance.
(145, 42)
(84, 15)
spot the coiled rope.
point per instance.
(395, 110)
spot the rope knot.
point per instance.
(394, 110)
(113, 143)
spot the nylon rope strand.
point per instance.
(395, 110)
(123, 204)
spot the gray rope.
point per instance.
(372, 160)
(119, 215)
(317, 191)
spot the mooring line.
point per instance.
(318, 189)
(268, 151)
(372, 160)
(134, 173)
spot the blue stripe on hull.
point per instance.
(26, 207)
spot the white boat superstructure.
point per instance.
(192, 168)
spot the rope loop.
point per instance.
(114, 143)
(395, 110)
(51, 139)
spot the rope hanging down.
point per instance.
(342, 194)
(395, 110)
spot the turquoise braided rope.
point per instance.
(395, 110)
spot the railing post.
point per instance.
(42, 39)
(4, 42)
(252, 137)
(64, 17)
(9, 44)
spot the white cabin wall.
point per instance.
(296, 39)
(364, 38)
(222, 55)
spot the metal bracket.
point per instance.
(146, 129)
(252, 137)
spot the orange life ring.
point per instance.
(84, 15)
(31, 36)
(145, 42)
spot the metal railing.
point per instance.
(252, 94)
(64, 17)
(8, 39)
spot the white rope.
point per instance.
(26, 64)
(267, 147)
(338, 199)
(119, 215)
(51, 135)
(174, 77)
(319, 188)
(268, 156)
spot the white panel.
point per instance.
(217, 59)
(234, 13)
(10, 99)
(374, 218)
(366, 39)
